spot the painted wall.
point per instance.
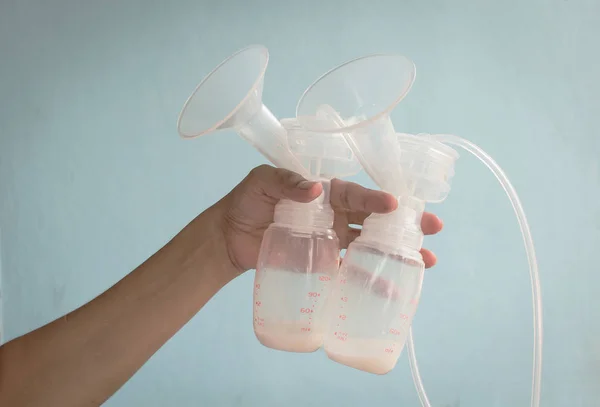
(93, 179)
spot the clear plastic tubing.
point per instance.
(533, 272)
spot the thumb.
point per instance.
(280, 183)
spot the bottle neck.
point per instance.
(317, 214)
(399, 230)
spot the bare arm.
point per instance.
(86, 356)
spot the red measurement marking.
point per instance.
(257, 286)
(404, 316)
(345, 299)
(343, 281)
(259, 321)
(324, 278)
(394, 331)
(314, 294)
(305, 330)
(305, 310)
(342, 317)
(342, 336)
(258, 303)
(389, 350)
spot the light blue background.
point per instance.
(94, 179)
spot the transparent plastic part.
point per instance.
(362, 102)
(299, 254)
(230, 97)
(355, 100)
(291, 287)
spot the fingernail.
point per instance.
(306, 185)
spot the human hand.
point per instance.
(248, 210)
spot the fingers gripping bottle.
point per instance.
(299, 255)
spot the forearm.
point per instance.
(84, 357)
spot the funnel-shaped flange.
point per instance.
(355, 99)
(230, 97)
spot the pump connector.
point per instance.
(428, 167)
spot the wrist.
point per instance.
(208, 251)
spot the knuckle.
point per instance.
(281, 176)
(260, 170)
(258, 174)
(345, 200)
(287, 179)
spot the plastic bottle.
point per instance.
(381, 276)
(299, 258)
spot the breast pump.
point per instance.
(299, 254)
(364, 319)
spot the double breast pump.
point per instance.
(359, 308)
